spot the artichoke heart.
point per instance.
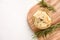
(41, 19)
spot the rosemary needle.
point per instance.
(48, 30)
(44, 4)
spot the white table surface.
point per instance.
(13, 19)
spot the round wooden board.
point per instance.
(54, 36)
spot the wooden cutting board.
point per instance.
(53, 36)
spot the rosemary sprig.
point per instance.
(44, 4)
(48, 30)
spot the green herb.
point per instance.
(44, 4)
(48, 30)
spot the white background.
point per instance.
(13, 19)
